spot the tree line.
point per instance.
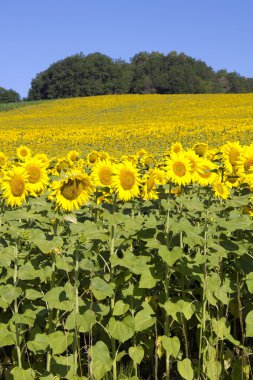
(146, 73)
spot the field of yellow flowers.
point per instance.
(126, 123)
(126, 247)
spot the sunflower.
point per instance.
(37, 175)
(125, 181)
(102, 173)
(194, 159)
(43, 158)
(231, 152)
(200, 149)
(3, 159)
(93, 157)
(150, 182)
(179, 169)
(104, 155)
(176, 147)
(245, 163)
(23, 152)
(148, 161)
(73, 155)
(62, 165)
(72, 191)
(205, 172)
(141, 152)
(220, 189)
(15, 186)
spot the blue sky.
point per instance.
(36, 33)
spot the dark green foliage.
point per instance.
(147, 73)
(8, 96)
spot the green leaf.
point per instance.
(22, 374)
(136, 353)
(101, 361)
(120, 308)
(213, 369)
(84, 321)
(59, 341)
(40, 343)
(249, 281)
(143, 320)
(170, 256)
(171, 345)
(57, 298)
(32, 294)
(62, 366)
(9, 293)
(121, 330)
(249, 324)
(101, 289)
(147, 281)
(180, 307)
(222, 330)
(7, 336)
(185, 369)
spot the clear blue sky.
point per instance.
(36, 33)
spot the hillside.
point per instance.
(124, 123)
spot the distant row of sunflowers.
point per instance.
(72, 181)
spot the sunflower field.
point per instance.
(126, 246)
(131, 267)
(126, 123)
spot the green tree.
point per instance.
(9, 96)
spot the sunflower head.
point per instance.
(3, 159)
(72, 191)
(93, 157)
(179, 169)
(176, 147)
(15, 186)
(200, 149)
(23, 152)
(102, 173)
(220, 189)
(37, 175)
(73, 155)
(125, 181)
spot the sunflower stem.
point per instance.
(17, 327)
(112, 274)
(166, 283)
(76, 312)
(51, 311)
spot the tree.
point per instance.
(9, 96)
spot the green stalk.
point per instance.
(166, 285)
(112, 275)
(203, 309)
(51, 311)
(15, 282)
(76, 312)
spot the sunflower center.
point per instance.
(23, 152)
(179, 169)
(200, 150)
(93, 158)
(17, 185)
(127, 179)
(63, 166)
(148, 161)
(233, 156)
(72, 189)
(34, 174)
(105, 176)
